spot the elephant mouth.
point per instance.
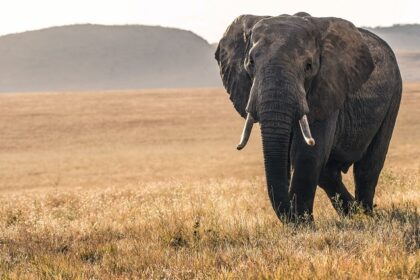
(246, 132)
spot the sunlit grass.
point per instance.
(149, 185)
(211, 229)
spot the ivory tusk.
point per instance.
(306, 131)
(246, 132)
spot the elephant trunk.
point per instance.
(303, 122)
(276, 121)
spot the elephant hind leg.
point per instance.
(366, 171)
(331, 182)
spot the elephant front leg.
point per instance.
(331, 181)
(308, 162)
(303, 186)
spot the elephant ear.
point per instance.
(230, 55)
(345, 65)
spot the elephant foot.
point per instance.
(300, 221)
(344, 205)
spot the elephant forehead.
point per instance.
(268, 39)
(283, 29)
(283, 22)
(285, 45)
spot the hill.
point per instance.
(96, 57)
(87, 57)
(402, 37)
(405, 41)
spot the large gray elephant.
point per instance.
(326, 95)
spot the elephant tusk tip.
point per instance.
(246, 132)
(310, 141)
(240, 147)
(306, 131)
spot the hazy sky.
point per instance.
(207, 18)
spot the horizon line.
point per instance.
(168, 27)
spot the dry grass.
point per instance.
(148, 184)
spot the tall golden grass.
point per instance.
(148, 184)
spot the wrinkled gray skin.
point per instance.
(344, 79)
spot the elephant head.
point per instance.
(286, 69)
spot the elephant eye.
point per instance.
(308, 67)
(250, 65)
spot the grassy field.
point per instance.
(148, 184)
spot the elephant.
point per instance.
(326, 95)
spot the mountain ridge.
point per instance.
(118, 57)
(405, 41)
(96, 57)
(400, 37)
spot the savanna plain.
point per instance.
(148, 185)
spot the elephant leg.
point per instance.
(366, 171)
(307, 162)
(331, 182)
(303, 187)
